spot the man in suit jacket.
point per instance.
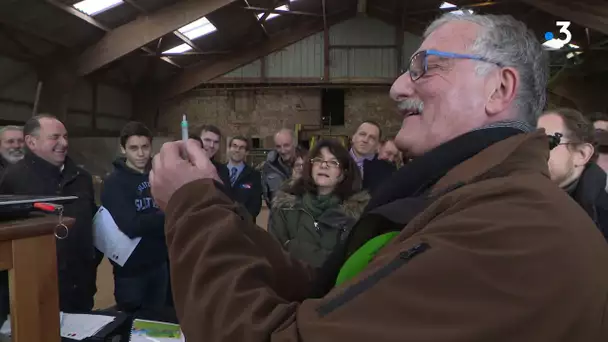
(365, 143)
(245, 182)
(221, 170)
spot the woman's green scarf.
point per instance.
(318, 204)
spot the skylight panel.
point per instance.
(178, 49)
(462, 12)
(572, 54)
(93, 7)
(446, 5)
(197, 28)
(274, 15)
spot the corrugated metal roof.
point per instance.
(46, 29)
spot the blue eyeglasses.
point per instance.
(419, 61)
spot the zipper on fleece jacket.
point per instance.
(356, 289)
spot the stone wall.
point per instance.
(96, 154)
(260, 113)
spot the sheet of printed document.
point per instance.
(81, 326)
(110, 240)
(73, 326)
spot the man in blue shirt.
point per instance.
(245, 181)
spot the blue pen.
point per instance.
(184, 136)
(184, 129)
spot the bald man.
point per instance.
(279, 163)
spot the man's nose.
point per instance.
(402, 88)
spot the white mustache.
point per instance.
(16, 152)
(409, 105)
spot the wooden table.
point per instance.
(27, 250)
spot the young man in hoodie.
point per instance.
(141, 284)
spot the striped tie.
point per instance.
(233, 175)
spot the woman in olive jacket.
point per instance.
(313, 213)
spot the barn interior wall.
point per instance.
(260, 113)
(110, 105)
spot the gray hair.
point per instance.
(10, 128)
(509, 43)
(288, 131)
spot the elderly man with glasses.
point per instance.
(471, 241)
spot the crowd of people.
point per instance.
(35, 161)
(482, 220)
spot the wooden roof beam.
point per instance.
(190, 78)
(585, 15)
(143, 30)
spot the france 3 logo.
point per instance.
(555, 43)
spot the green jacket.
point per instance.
(309, 240)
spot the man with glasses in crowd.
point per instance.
(572, 162)
(470, 241)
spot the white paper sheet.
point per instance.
(81, 326)
(73, 326)
(110, 240)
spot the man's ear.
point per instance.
(30, 141)
(502, 90)
(583, 154)
(122, 150)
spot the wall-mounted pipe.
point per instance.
(37, 98)
(362, 6)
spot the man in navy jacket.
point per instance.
(364, 149)
(245, 182)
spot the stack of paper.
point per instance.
(146, 331)
(73, 326)
(5, 330)
(81, 326)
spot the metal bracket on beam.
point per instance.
(276, 11)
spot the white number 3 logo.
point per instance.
(564, 29)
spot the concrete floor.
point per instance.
(105, 280)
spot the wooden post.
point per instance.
(27, 250)
(325, 45)
(94, 104)
(34, 290)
